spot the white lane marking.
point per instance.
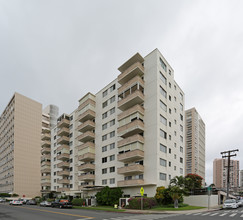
(241, 216)
(214, 214)
(223, 214)
(206, 213)
(199, 213)
(232, 215)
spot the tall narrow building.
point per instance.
(194, 144)
(130, 134)
(20, 144)
(220, 168)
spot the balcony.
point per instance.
(47, 190)
(63, 156)
(87, 157)
(63, 140)
(87, 136)
(46, 169)
(135, 182)
(63, 181)
(85, 103)
(130, 111)
(86, 167)
(63, 131)
(85, 145)
(86, 187)
(129, 67)
(63, 147)
(46, 183)
(87, 177)
(63, 164)
(86, 126)
(63, 189)
(46, 156)
(130, 100)
(63, 123)
(45, 136)
(63, 173)
(87, 115)
(131, 169)
(46, 143)
(131, 83)
(130, 129)
(130, 140)
(131, 156)
(48, 177)
(45, 163)
(46, 130)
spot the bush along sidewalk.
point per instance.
(135, 203)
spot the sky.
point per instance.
(56, 51)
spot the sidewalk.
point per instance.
(172, 212)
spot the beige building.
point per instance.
(130, 134)
(195, 143)
(220, 173)
(20, 141)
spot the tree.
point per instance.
(193, 181)
(109, 196)
(178, 181)
(159, 196)
(176, 193)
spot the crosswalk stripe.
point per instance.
(188, 213)
(232, 215)
(206, 213)
(199, 213)
(223, 214)
(241, 216)
(214, 214)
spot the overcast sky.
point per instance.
(56, 51)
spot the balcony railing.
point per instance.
(63, 140)
(64, 131)
(63, 164)
(63, 147)
(87, 102)
(130, 129)
(135, 182)
(87, 115)
(63, 123)
(45, 136)
(46, 143)
(131, 169)
(86, 167)
(87, 177)
(85, 145)
(63, 173)
(86, 126)
(130, 111)
(63, 189)
(131, 156)
(130, 83)
(86, 157)
(63, 181)
(86, 137)
(132, 99)
(63, 156)
(130, 140)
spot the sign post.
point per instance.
(209, 194)
(141, 192)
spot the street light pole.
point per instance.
(228, 155)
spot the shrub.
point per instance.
(135, 203)
(5, 195)
(78, 202)
(109, 196)
(50, 200)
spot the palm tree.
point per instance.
(178, 181)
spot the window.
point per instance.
(104, 93)
(163, 106)
(127, 177)
(112, 111)
(181, 138)
(181, 160)
(181, 107)
(175, 145)
(181, 127)
(174, 156)
(71, 152)
(169, 163)
(112, 122)
(181, 96)
(112, 99)
(104, 115)
(175, 122)
(112, 157)
(174, 167)
(112, 134)
(162, 176)
(170, 85)
(112, 146)
(169, 177)
(163, 134)
(169, 150)
(112, 181)
(162, 162)
(169, 110)
(104, 171)
(104, 182)
(104, 148)
(163, 65)
(170, 72)
(170, 137)
(169, 124)
(181, 171)
(181, 116)
(175, 110)
(163, 120)
(175, 87)
(181, 149)
(104, 126)
(104, 159)
(112, 88)
(163, 92)
(104, 104)
(104, 137)
(112, 169)
(175, 98)
(163, 148)
(175, 133)
(169, 97)
(163, 78)
(70, 126)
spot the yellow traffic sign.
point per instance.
(141, 191)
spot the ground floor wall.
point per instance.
(149, 191)
(202, 200)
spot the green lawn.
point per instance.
(179, 209)
(102, 208)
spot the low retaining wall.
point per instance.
(201, 200)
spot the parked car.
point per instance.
(230, 203)
(61, 203)
(45, 204)
(31, 202)
(15, 202)
(2, 200)
(240, 203)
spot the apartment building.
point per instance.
(241, 178)
(20, 144)
(194, 144)
(220, 167)
(130, 134)
(49, 120)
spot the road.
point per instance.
(8, 212)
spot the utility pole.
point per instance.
(228, 155)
